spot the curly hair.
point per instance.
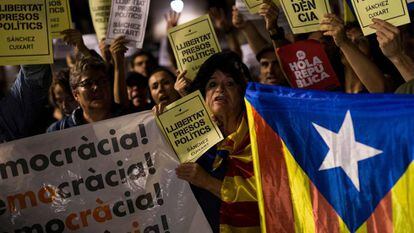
(61, 79)
(228, 63)
(82, 66)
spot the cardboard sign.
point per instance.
(193, 43)
(128, 18)
(253, 5)
(307, 66)
(188, 126)
(24, 32)
(245, 11)
(115, 175)
(59, 16)
(393, 11)
(100, 11)
(304, 15)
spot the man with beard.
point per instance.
(22, 107)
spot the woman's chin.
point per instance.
(219, 109)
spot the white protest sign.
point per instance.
(128, 18)
(243, 10)
(112, 176)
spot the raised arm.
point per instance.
(270, 13)
(369, 74)
(221, 23)
(254, 38)
(118, 49)
(74, 38)
(171, 18)
(390, 42)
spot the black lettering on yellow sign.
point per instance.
(196, 48)
(20, 17)
(55, 6)
(305, 10)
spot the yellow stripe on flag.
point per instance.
(256, 165)
(363, 228)
(403, 202)
(301, 198)
(238, 188)
(342, 227)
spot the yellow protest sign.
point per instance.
(304, 15)
(100, 11)
(193, 43)
(253, 5)
(59, 16)
(24, 32)
(395, 12)
(188, 126)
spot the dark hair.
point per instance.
(228, 63)
(151, 59)
(163, 69)
(267, 48)
(61, 79)
(82, 66)
(136, 79)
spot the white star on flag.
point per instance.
(344, 151)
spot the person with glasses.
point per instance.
(91, 88)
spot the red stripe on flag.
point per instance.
(326, 219)
(239, 168)
(240, 214)
(274, 177)
(381, 220)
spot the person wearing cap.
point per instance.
(222, 179)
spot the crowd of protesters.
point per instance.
(94, 88)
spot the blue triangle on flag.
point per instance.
(384, 122)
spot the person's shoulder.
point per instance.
(65, 123)
(56, 126)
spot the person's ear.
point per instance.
(75, 94)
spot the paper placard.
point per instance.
(100, 11)
(188, 126)
(394, 12)
(115, 175)
(304, 15)
(193, 43)
(245, 12)
(25, 32)
(60, 18)
(307, 66)
(128, 18)
(253, 5)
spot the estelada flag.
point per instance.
(306, 65)
(332, 162)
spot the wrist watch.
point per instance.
(277, 33)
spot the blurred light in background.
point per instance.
(192, 10)
(177, 5)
